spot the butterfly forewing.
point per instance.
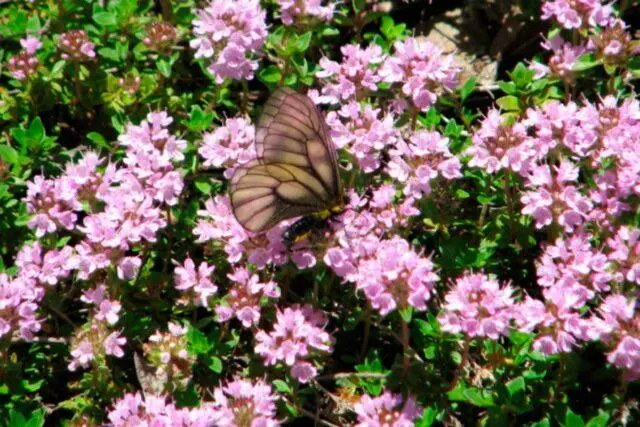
(296, 169)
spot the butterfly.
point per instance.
(295, 172)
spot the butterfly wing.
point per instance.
(296, 170)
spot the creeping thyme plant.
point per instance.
(484, 270)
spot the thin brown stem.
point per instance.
(461, 366)
(507, 190)
(367, 331)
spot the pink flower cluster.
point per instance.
(388, 409)
(167, 353)
(353, 78)
(76, 46)
(293, 11)
(229, 145)
(135, 410)
(243, 402)
(422, 70)
(244, 298)
(574, 14)
(423, 158)
(478, 307)
(498, 145)
(239, 402)
(364, 131)
(297, 335)
(564, 56)
(19, 299)
(196, 284)
(25, 63)
(229, 34)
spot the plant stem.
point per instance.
(405, 349)
(367, 331)
(507, 190)
(461, 366)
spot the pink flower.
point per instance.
(23, 65)
(478, 307)
(553, 198)
(199, 282)
(82, 354)
(229, 145)
(558, 320)
(388, 409)
(108, 311)
(297, 334)
(295, 10)
(363, 132)
(128, 267)
(76, 46)
(243, 402)
(422, 70)
(564, 57)
(352, 79)
(244, 298)
(30, 44)
(113, 344)
(424, 158)
(574, 14)
(157, 411)
(497, 145)
(19, 297)
(573, 263)
(229, 34)
(625, 254)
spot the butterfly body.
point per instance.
(301, 229)
(295, 172)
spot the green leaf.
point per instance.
(428, 417)
(199, 120)
(522, 75)
(478, 397)
(508, 103)
(36, 130)
(467, 88)
(599, 420)
(99, 140)
(303, 41)
(509, 88)
(9, 154)
(586, 62)
(282, 387)
(572, 419)
(406, 313)
(197, 342)
(215, 364)
(34, 25)
(203, 184)
(462, 194)
(105, 19)
(164, 67)
(270, 74)
(516, 389)
(634, 65)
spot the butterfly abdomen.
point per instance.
(300, 229)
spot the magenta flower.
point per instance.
(574, 14)
(558, 321)
(296, 336)
(352, 79)
(19, 297)
(573, 263)
(553, 198)
(497, 145)
(113, 344)
(76, 46)
(618, 325)
(229, 145)
(363, 132)
(422, 69)
(564, 56)
(196, 282)
(229, 34)
(30, 44)
(23, 65)
(293, 11)
(108, 311)
(82, 355)
(478, 307)
(388, 409)
(157, 411)
(423, 158)
(243, 402)
(624, 254)
(244, 299)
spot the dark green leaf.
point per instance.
(105, 19)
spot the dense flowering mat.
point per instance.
(485, 267)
